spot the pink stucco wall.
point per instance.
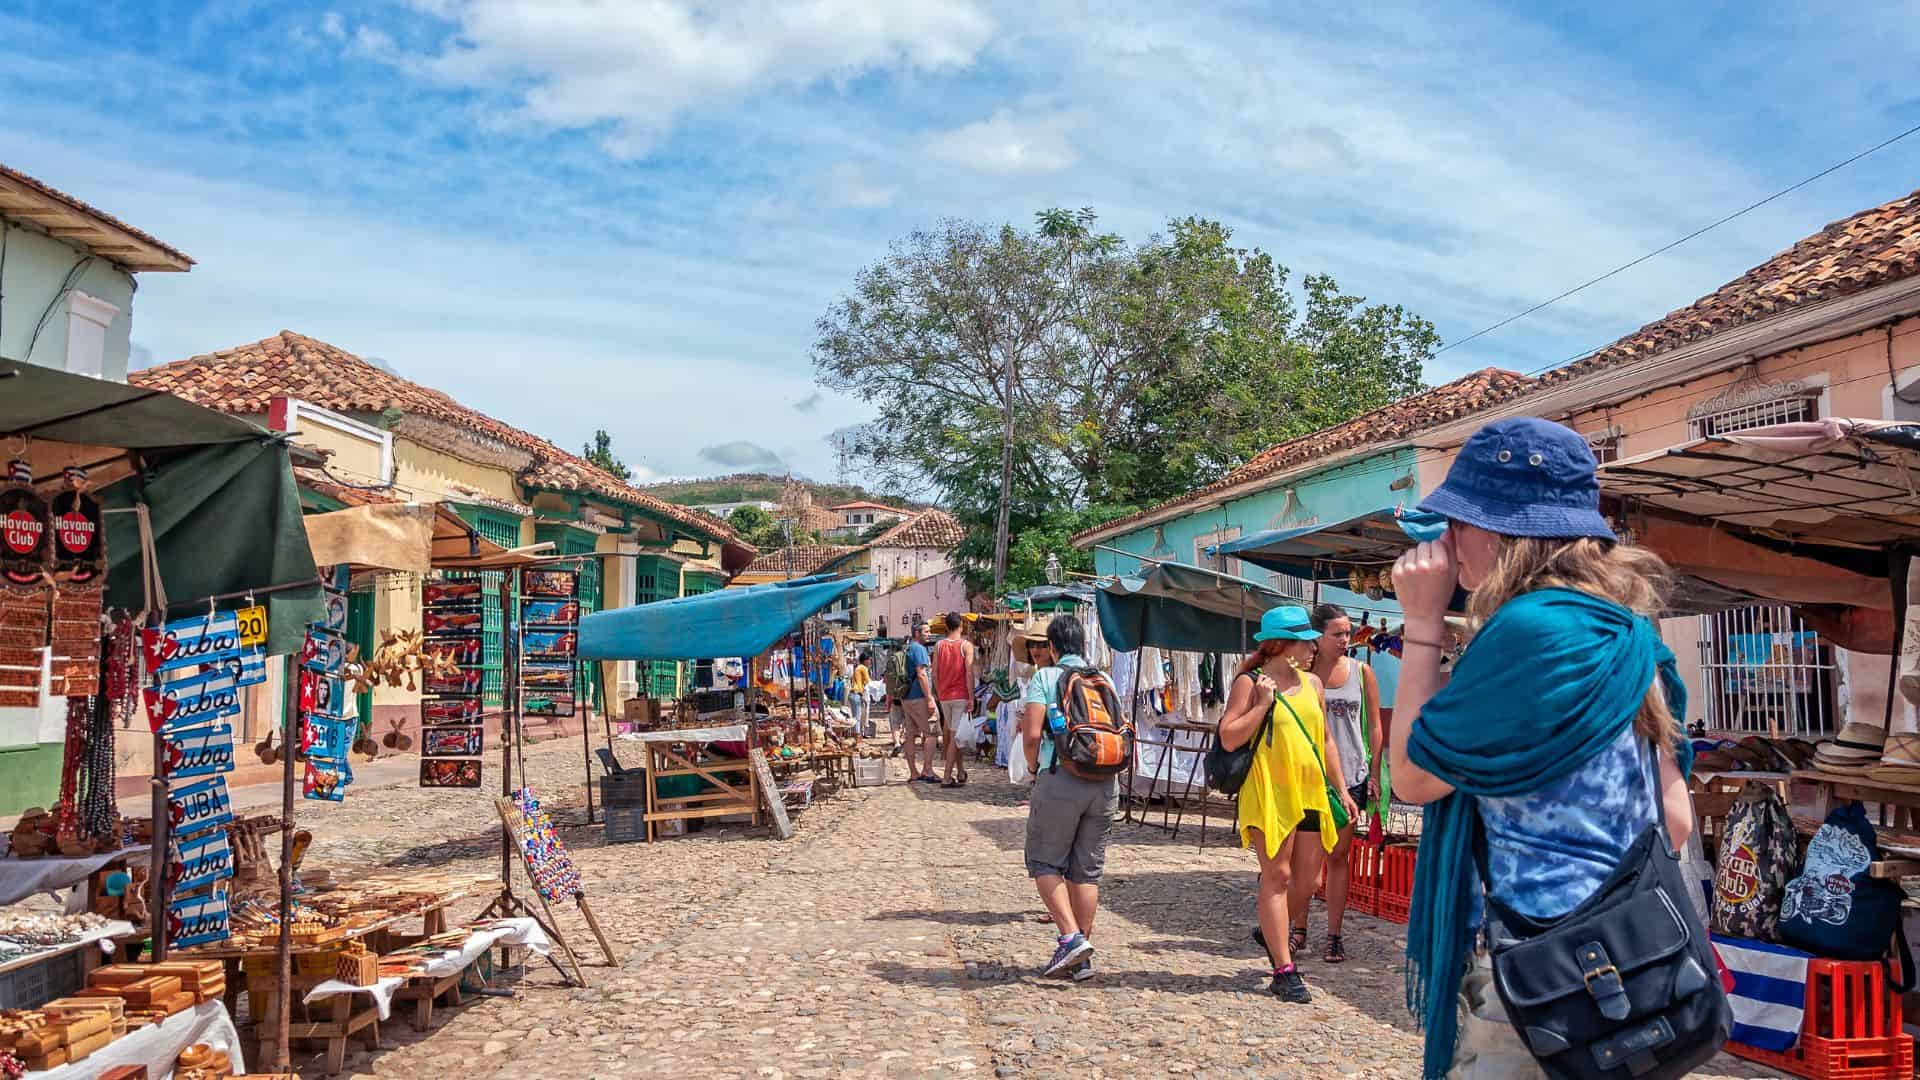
(944, 591)
(1852, 376)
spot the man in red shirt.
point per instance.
(953, 689)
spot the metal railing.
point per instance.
(1765, 673)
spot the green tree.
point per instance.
(757, 527)
(1133, 373)
(600, 452)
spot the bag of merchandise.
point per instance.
(1758, 856)
(1017, 771)
(1836, 909)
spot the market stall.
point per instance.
(745, 624)
(127, 509)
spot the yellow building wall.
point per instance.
(354, 458)
(430, 474)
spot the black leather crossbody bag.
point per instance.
(1625, 985)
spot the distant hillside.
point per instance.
(754, 487)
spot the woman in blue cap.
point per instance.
(1556, 730)
(1278, 702)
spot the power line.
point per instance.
(1622, 268)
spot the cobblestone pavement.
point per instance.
(894, 935)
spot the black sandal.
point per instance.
(1336, 950)
(1296, 940)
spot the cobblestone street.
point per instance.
(893, 935)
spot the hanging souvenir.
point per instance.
(546, 704)
(198, 806)
(79, 542)
(326, 782)
(550, 583)
(326, 741)
(199, 861)
(549, 613)
(197, 699)
(197, 639)
(26, 531)
(450, 772)
(323, 652)
(457, 741)
(548, 644)
(200, 751)
(19, 677)
(324, 695)
(67, 811)
(197, 920)
(549, 864)
(461, 592)
(440, 711)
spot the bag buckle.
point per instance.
(1603, 981)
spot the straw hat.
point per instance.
(1034, 631)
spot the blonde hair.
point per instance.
(1632, 577)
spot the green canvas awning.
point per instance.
(219, 491)
(1174, 606)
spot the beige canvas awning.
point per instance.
(1837, 481)
(382, 536)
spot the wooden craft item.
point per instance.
(769, 794)
(79, 1049)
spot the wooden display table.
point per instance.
(666, 758)
(332, 1021)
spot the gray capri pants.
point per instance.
(1067, 824)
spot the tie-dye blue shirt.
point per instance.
(1549, 850)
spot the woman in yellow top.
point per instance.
(857, 693)
(1273, 698)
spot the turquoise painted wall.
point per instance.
(1352, 489)
(36, 266)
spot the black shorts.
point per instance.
(1311, 822)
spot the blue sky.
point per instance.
(629, 215)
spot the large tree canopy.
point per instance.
(1137, 372)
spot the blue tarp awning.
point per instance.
(1175, 606)
(732, 622)
(1327, 552)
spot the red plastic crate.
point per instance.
(1852, 1029)
(1394, 900)
(1363, 877)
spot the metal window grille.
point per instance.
(1741, 414)
(1765, 673)
(1291, 587)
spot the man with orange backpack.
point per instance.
(1077, 743)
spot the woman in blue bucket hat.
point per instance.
(1278, 702)
(1557, 729)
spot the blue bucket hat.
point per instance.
(1286, 624)
(1524, 477)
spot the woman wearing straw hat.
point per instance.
(1278, 702)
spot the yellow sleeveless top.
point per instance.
(1285, 781)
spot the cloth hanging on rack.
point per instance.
(1121, 672)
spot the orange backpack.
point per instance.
(1095, 739)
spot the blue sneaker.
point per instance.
(1070, 955)
(1085, 970)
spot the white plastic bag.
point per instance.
(1017, 759)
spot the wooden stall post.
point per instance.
(283, 948)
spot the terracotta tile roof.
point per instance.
(1870, 248)
(927, 529)
(26, 191)
(867, 506)
(317, 481)
(245, 378)
(802, 559)
(1389, 423)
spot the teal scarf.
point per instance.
(1551, 680)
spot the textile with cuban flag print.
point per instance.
(1769, 994)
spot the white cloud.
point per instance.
(847, 186)
(332, 25)
(1007, 145)
(633, 68)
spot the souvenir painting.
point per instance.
(463, 648)
(200, 751)
(198, 806)
(465, 683)
(326, 783)
(198, 861)
(547, 704)
(24, 617)
(197, 639)
(440, 711)
(449, 773)
(547, 674)
(323, 652)
(440, 621)
(197, 920)
(451, 593)
(553, 583)
(550, 612)
(548, 644)
(463, 741)
(336, 612)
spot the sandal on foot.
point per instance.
(1296, 939)
(1336, 950)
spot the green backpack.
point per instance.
(897, 675)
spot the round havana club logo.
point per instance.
(22, 532)
(1739, 875)
(74, 530)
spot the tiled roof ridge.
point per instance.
(933, 517)
(1375, 425)
(81, 206)
(1872, 247)
(392, 390)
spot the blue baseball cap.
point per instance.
(1524, 477)
(1286, 624)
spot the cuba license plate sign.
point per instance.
(201, 751)
(197, 920)
(200, 805)
(200, 860)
